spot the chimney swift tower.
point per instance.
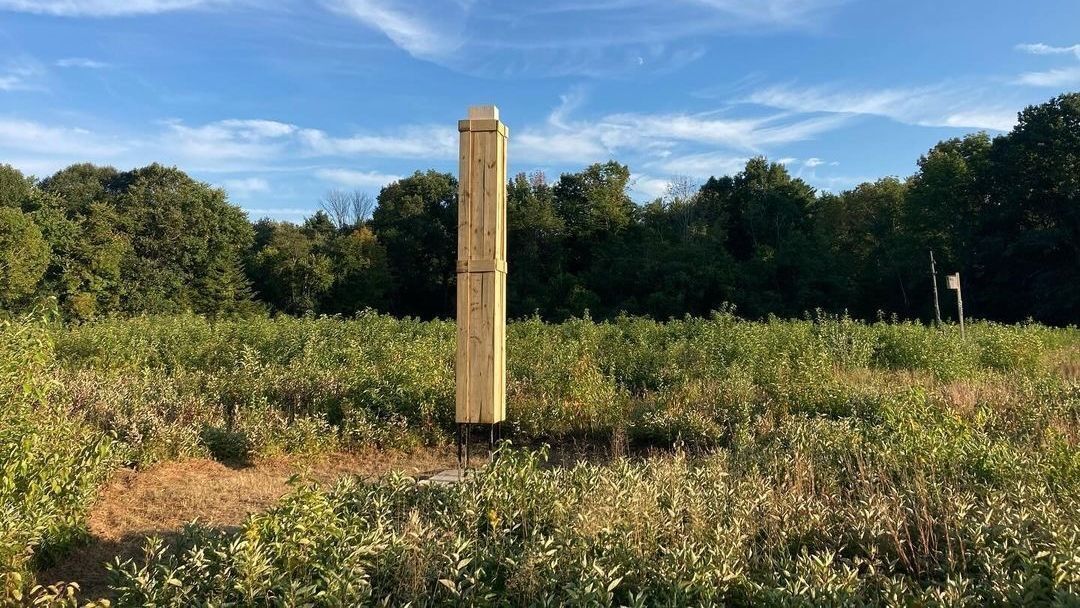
(481, 275)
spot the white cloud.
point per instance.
(780, 12)
(933, 106)
(702, 165)
(253, 129)
(224, 146)
(1046, 49)
(101, 8)
(357, 179)
(22, 74)
(1060, 77)
(649, 187)
(570, 37)
(246, 186)
(227, 140)
(81, 62)
(425, 141)
(813, 162)
(67, 144)
(423, 30)
(836, 183)
(567, 139)
(547, 145)
(278, 211)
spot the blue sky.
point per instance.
(279, 101)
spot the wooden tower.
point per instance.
(481, 272)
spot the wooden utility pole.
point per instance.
(481, 275)
(954, 284)
(933, 276)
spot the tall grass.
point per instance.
(819, 512)
(822, 460)
(173, 386)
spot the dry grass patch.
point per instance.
(161, 499)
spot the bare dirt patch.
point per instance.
(159, 500)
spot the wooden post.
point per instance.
(481, 271)
(933, 278)
(954, 284)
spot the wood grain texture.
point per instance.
(481, 269)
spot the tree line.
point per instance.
(1003, 211)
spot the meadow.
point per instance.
(821, 461)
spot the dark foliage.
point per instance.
(1004, 212)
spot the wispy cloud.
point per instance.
(415, 141)
(239, 141)
(102, 8)
(702, 165)
(1039, 48)
(277, 211)
(1068, 76)
(66, 144)
(932, 106)
(583, 140)
(647, 186)
(248, 144)
(570, 37)
(246, 186)
(229, 146)
(424, 30)
(1060, 77)
(81, 62)
(357, 179)
(21, 74)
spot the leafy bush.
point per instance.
(835, 461)
(50, 465)
(825, 512)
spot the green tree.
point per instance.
(15, 188)
(290, 271)
(770, 235)
(416, 220)
(947, 200)
(534, 244)
(87, 251)
(24, 256)
(80, 186)
(360, 270)
(1029, 259)
(594, 203)
(187, 244)
(861, 231)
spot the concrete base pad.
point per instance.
(449, 476)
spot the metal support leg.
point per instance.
(460, 443)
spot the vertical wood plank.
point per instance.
(492, 186)
(503, 222)
(500, 345)
(480, 360)
(465, 196)
(479, 201)
(461, 363)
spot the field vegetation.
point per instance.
(803, 462)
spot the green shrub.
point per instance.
(50, 465)
(824, 513)
(885, 463)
